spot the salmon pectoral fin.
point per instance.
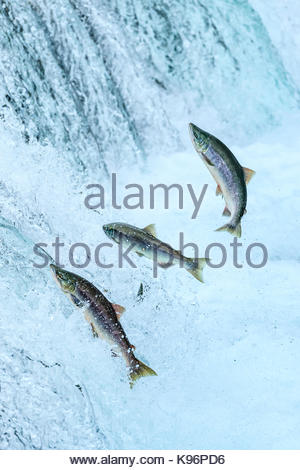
(248, 174)
(208, 161)
(94, 331)
(235, 230)
(218, 190)
(165, 265)
(95, 334)
(226, 212)
(76, 301)
(150, 229)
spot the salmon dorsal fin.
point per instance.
(118, 308)
(150, 229)
(248, 174)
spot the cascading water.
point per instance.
(110, 80)
(89, 87)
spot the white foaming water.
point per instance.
(225, 351)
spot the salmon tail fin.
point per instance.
(195, 267)
(139, 370)
(235, 230)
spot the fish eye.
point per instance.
(62, 277)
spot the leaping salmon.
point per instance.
(230, 176)
(103, 317)
(145, 243)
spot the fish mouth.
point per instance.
(195, 131)
(56, 276)
(199, 138)
(191, 129)
(109, 230)
(63, 278)
(54, 271)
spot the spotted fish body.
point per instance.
(230, 176)
(145, 243)
(102, 316)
